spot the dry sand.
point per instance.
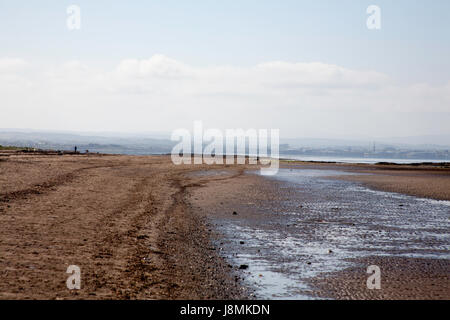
(123, 220)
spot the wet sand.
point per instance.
(142, 228)
(401, 279)
(428, 181)
(315, 239)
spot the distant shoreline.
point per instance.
(8, 150)
(364, 160)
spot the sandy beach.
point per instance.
(140, 227)
(125, 221)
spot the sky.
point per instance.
(308, 68)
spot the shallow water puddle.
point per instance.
(323, 223)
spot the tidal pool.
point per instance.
(322, 224)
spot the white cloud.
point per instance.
(10, 65)
(161, 93)
(156, 66)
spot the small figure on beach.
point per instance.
(76, 149)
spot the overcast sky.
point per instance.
(310, 69)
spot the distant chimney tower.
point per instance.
(374, 149)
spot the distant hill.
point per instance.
(93, 143)
(157, 143)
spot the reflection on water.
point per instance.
(360, 160)
(326, 221)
